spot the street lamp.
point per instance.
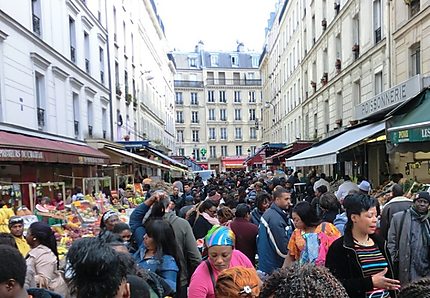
(268, 104)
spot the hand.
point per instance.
(152, 199)
(381, 282)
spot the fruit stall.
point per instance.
(45, 189)
(96, 184)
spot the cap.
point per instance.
(364, 186)
(15, 220)
(422, 195)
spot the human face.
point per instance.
(220, 256)
(17, 230)
(9, 289)
(298, 223)
(125, 235)
(211, 211)
(31, 240)
(265, 205)
(175, 191)
(111, 222)
(187, 188)
(422, 205)
(149, 242)
(283, 201)
(366, 221)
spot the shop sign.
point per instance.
(91, 160)
(417, 134)
(17, 154)
(389, 98)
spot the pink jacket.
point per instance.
(201, 284)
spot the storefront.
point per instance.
(289, 150)
(233, 163)
(260, 159)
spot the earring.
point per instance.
(34, 239)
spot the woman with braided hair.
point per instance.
(42, 259)
(306, 281)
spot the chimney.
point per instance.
(240, 47)
(199, 47)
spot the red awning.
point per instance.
(19, 147)
(233, 162)
(291, 150)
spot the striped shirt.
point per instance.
(372, 261)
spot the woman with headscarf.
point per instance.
(221, 255)
(42, 260)
(109, 220)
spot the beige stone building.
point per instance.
(218, 106)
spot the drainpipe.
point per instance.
(389, 40)
(109, 75)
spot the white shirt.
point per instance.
(320, 182)
(345, 188)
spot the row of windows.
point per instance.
(237, 96)
(212, 134)
(211, 115)
(213, 151)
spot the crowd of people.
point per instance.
(236, 235)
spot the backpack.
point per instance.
(316, 247)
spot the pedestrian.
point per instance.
(360, 259)
(177, 199)
(397, 203)
(364, 187)
(409, 240)
(16, 227)
(417, 289)
(322, 181)
(220, 242)
(246, 232)
(108, 220)
(329, 206)
(346, 188)
(225, 216)
(262, 202)
(316, 204)
(206, 219)
(238, 282)
(274, 232)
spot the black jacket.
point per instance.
(342, 260)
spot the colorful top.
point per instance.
(372, 261)
(297, 242)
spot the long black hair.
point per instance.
(45, 235)
(355, 204)
(164, 238)
(307, 214)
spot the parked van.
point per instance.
(205, 174)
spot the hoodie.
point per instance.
(340, 222)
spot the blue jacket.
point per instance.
(274, 232)
(136, 225)
(340, 222)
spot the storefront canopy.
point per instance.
(326, 153)
(167, 158)
(233, 162)
(20, 147)
(137, 158)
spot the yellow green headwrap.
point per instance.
(220, 235)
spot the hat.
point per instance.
(15, 220)
(422, 195)
(364, 186)
(220, 236)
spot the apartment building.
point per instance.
(141, 74)
(218, 106)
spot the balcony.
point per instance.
(194, 103)
(179, 102)
(40, 118)
(36, 24)
(73, 54)
(191, 84)
(87, 65)
(90, 131)
(76, 127)
(195, 121)
(179, 120)
(233, 82)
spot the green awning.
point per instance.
(412, 122)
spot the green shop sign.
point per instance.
(417, 134)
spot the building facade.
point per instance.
(218, 106)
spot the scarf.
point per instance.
(424, 219)
(212, 220)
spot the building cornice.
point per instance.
(3, 36)
(412, 23)
(73, 8)
(39, 60)
(87, 23)
(89, 91)
(60, 73)
(75, 82)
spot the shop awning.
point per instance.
(137, 158)
(20, 147)
(233, 162)
(326, 152)
(291, 149)
(166, 158)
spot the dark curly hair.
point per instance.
(416, 289)
(307, 281)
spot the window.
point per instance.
(222, 97)
(356, 93)
(237, 114)
(72, 37)
(212, 134)
(194, 117)
(117, 86)
(253, 149)
(238, 150)
(36, 12)
(87, 52)
(212, 151)
(179, 117)
(378, 83)
(339, 46)
(181, 152)
(196, 136)
(414, 7)
(179, 100)
(102, 65)
(194, 100)
(234, 60)
(180, 136)
(211, 97)
(415, 59)
(223, 114)
(237, 96)
(223, 133)
(75, 97)
(192, 62)
(252, 114)
(377, 20)
(104, 123)
(211, 114)
(255, 60)
(224, 151)
(40, 100)
(253, 133)
(90, 118)
(214, 60)
(196, 154)
(356, 36)
(251, 96)
(238, 133)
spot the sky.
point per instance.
(218, 23)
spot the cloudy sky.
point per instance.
(218, 23)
